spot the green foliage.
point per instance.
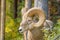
(51, 35)
(12, 25)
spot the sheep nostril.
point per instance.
(20, 30)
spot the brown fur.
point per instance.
(35, 34)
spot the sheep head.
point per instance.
(33, 18)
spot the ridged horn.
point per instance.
(36, 11)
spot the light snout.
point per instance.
(20, 29)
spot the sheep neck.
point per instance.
(35, 34)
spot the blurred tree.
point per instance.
(3, 3)
(0, 19)
(12, 22)
(13, 19)
(15, 8)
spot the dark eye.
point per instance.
(29, 21)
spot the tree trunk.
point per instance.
(42, 4)
(2, 18)
(58, 7)
(15, 8)
(28, 4)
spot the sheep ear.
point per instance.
(23, 11)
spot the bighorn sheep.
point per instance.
(32, 22)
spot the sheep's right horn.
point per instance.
(39, 12)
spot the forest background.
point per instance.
(13, 19)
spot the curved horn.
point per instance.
(36, 11)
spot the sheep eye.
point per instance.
(29, 20)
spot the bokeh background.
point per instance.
(13, 19)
